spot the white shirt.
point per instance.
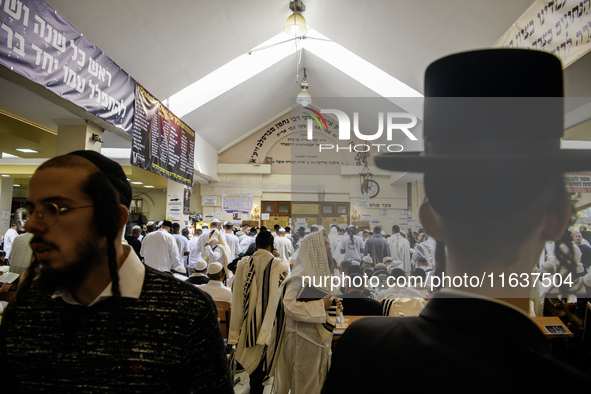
(160, 251)
(233, 244)
(217, 291)
(245, 243)
(284, 247)
(183, 244)
(9, 236)
(194, 254)
(21, 254)
(131, 281)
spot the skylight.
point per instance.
(274, 50)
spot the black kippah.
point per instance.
(112, 170)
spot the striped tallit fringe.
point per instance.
(387, 306)
(252, 327)
(270, 363)
(246, 292)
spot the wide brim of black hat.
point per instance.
(568, 160)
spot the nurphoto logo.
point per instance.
(395, 122)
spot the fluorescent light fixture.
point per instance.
(5, 176)
(137, 183)
(572, 144)
(8, 155)
(16, 185)
(149, 186)
(231, 75)
(26, 150)
(116, 153)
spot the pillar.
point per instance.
(77, 135)
(174, 203)
(5, 203)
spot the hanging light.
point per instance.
(304, 98)
(296, 25)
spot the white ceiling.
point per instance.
(167, 45)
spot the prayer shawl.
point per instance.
(255, 299)
(312, 261)
(219, 240)
(400, 250)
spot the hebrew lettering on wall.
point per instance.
(40, 45)
(561, 27)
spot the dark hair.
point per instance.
(264, 240)
(252, 231)
(263, 228)
(377, 230)
(287, 229)
(276, 226)
(355, 269)
(419, 272)
(397, 272)
(345, 264)
(2, 253)
(217, 276)
(395, 228)
(228, 226)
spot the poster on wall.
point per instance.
(209, 201)
(37, 43)
(162, 143)
(232, 202)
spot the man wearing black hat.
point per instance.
(89, 316)
(493, 121)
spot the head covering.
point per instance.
(166, 223)
(215, 220)
(220, 241)
(281, 230)
(381, 266)
(387, 259)
(487, 118)
(136, 228)
(200, 265)
(112, 170)
(215, 268)
(150, 223)
(367, 259)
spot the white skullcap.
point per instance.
(150, 223)
(215, 220)
(281, 230)
(367, 259)
(215, 268)
(200, 265)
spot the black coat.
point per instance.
(455, 343)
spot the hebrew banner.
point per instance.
(562, 27)
(40, 45)
(162, 143)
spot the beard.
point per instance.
(88, 255)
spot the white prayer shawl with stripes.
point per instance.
(254, 307)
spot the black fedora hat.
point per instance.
(492, 110)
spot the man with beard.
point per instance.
(89, 316)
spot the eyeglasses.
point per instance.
(47, 213)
